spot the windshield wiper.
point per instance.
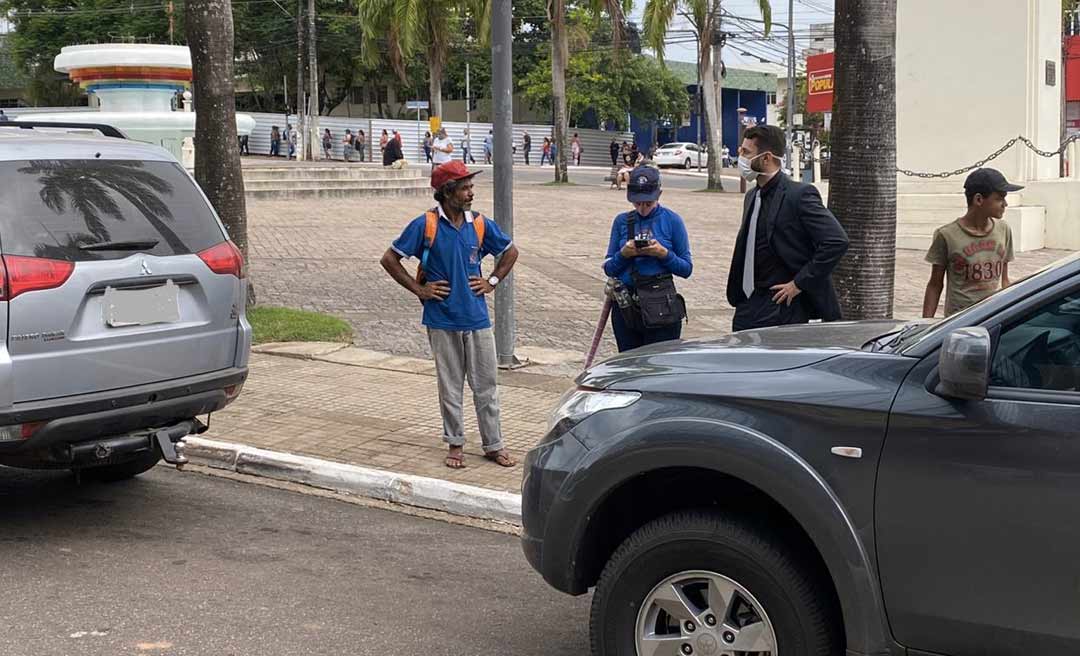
(144, 245)
(897, 337)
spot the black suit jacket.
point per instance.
(806, 236)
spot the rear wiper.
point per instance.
(121, 245)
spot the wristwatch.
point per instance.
(493, 280)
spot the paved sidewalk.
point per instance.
(356, 406)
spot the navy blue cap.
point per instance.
(644, 185)
(987, 181)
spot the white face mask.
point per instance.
(746, 169)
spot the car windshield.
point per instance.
(910, 340)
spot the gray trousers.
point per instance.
(467, 353)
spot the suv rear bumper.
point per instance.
(89, 417)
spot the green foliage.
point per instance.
(612, 84)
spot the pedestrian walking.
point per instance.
(244, 148)
(328, 143)
(553, 151)
(293, 139)
(575, 149)
(442, 146)
(360, 144)
(451, 241)
(973, 251)
(427, 147)
(382, 144)
(788, 245)
(545, 151)
(4, 117)
(393, 153)
(725, 157)
(613, 148)
(526, 145)
(648, 246)
(275, 141)
(347, 145)
(466, 151)
(489, 146)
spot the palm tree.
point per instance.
(862, 184)
(704, 17)
(209, 31)
(398, 29)
(560, 58)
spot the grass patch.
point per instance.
(277, 324)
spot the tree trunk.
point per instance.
(435, 80)
(716, 126)
(712, 112)
(209, 28)
(560, 54)
(300, 79)
(862, 189)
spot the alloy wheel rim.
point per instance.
(702, 613)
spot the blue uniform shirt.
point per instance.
(664, 226)
(454, 257)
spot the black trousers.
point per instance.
(761, 312)
(627, 337)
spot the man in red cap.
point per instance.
(450, 240)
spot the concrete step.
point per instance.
(951, 202)
(294, 193)
(258, 185)
(331, 173)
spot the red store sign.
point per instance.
(820, 83)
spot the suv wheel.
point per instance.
(121, 471)
(696, 584)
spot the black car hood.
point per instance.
(767, 349)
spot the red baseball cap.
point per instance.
(452, 170)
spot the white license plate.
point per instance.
(141, 307)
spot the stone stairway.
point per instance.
(266, 179)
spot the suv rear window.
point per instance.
(57, 208)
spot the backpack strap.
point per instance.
(478, 224)
(431, 226)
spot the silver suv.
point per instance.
(121, 303)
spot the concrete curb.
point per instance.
(406, 489)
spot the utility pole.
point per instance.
(312, 150)
(699, 107)
(503, 101)
(791, 88)
(299, 80)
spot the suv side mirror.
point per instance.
(964, 365)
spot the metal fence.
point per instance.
(594, 143)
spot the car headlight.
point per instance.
(577, 404)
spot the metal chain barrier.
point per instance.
(989, 158)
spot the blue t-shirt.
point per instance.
(454, 257)
(664, 226)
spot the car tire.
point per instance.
(687, 544)
(687, 164)
(122, 471)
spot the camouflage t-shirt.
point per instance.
(973, 262)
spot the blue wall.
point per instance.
(755, 103)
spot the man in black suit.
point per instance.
(795, 242)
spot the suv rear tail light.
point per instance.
(233, 391)
(16, 432)
(224, 258)
(28, 274)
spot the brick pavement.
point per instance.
(324, 256)
(375, 404)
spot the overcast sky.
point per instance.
(807, 12)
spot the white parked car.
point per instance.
(680, 154)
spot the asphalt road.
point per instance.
(185, 564)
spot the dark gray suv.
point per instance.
(879, 488)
